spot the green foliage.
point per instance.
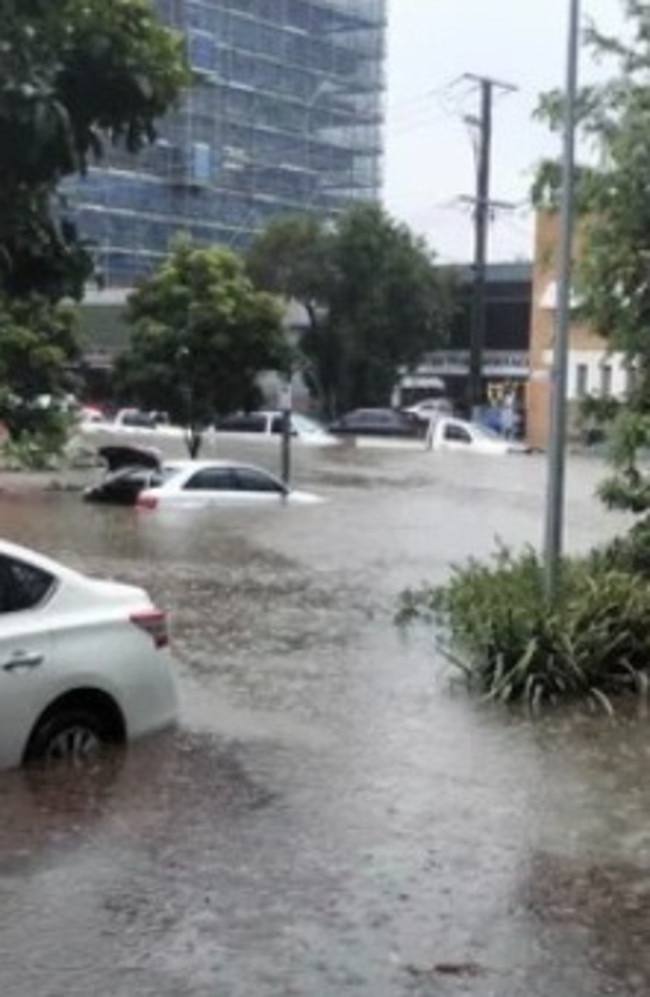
(293, 258)
(201, 336)
(38, 343)
(511, 645)
(374, 300)
(74, 75)
(614, 267)
(628, 489)
(630, 553)
(42, 442)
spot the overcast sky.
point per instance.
(430, 157)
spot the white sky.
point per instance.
(430, 158)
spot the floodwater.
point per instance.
(333, 817)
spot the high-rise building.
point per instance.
(286, 116)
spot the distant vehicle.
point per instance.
(90, 414)
(384, 422)
(129, 470)
(83, 663)
(133, 418)
(267, 425)
(430, 408)
(470, 437)
(130, 421)
(201, 483)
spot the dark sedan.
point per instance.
(378, 422)
(129, 470)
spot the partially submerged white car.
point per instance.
(83, 662)
(204, 483)
(469, 437)
(266, 427)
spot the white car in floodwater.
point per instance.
(266, 427)
(469, 437)
(129, 422)
(83, 662)
(204, 483)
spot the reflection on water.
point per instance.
(331, 817)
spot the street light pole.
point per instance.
(557, 449)
(285, 442)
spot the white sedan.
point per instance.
(83, 662)
(200, 483)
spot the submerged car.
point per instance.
(128, 471)
(431, 408)
(201, 483)
(268, 425)
(386, 422)
(84, 663)
(470, 437)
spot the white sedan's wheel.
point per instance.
(69, 738)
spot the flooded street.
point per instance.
(332, 818)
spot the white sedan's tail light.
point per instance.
(153, 622)
(146, 502)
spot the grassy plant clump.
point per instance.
(495, 623)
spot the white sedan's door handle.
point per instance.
(21, 659)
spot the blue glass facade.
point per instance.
(286, 116)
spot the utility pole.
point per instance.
(483, 208)
(553, 539)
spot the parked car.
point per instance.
(130, 421)
(129, 469)
(469, 437)
(84, 663)
(267, 426)
(430, 408)
(201, 483)
(378, 422)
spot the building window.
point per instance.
(631, 379)
(202, 51)
(201, 164)
(605, 380)
(582, 380)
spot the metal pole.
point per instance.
(482, 222)
(557, 449)
(285, 406)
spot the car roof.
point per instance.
(372, 411)
(199, 465)
(9, 549)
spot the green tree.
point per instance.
(374, 300)
(201, 336)
(613, 264)
(75, 77)
(37, 342)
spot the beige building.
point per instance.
(593, 370)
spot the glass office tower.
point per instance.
(286, 116)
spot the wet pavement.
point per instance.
(333, 817)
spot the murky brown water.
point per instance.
(331, 818)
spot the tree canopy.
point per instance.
(74, 76)
(613, 263)
(613, 266)
(201, 336)
(374, 300)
